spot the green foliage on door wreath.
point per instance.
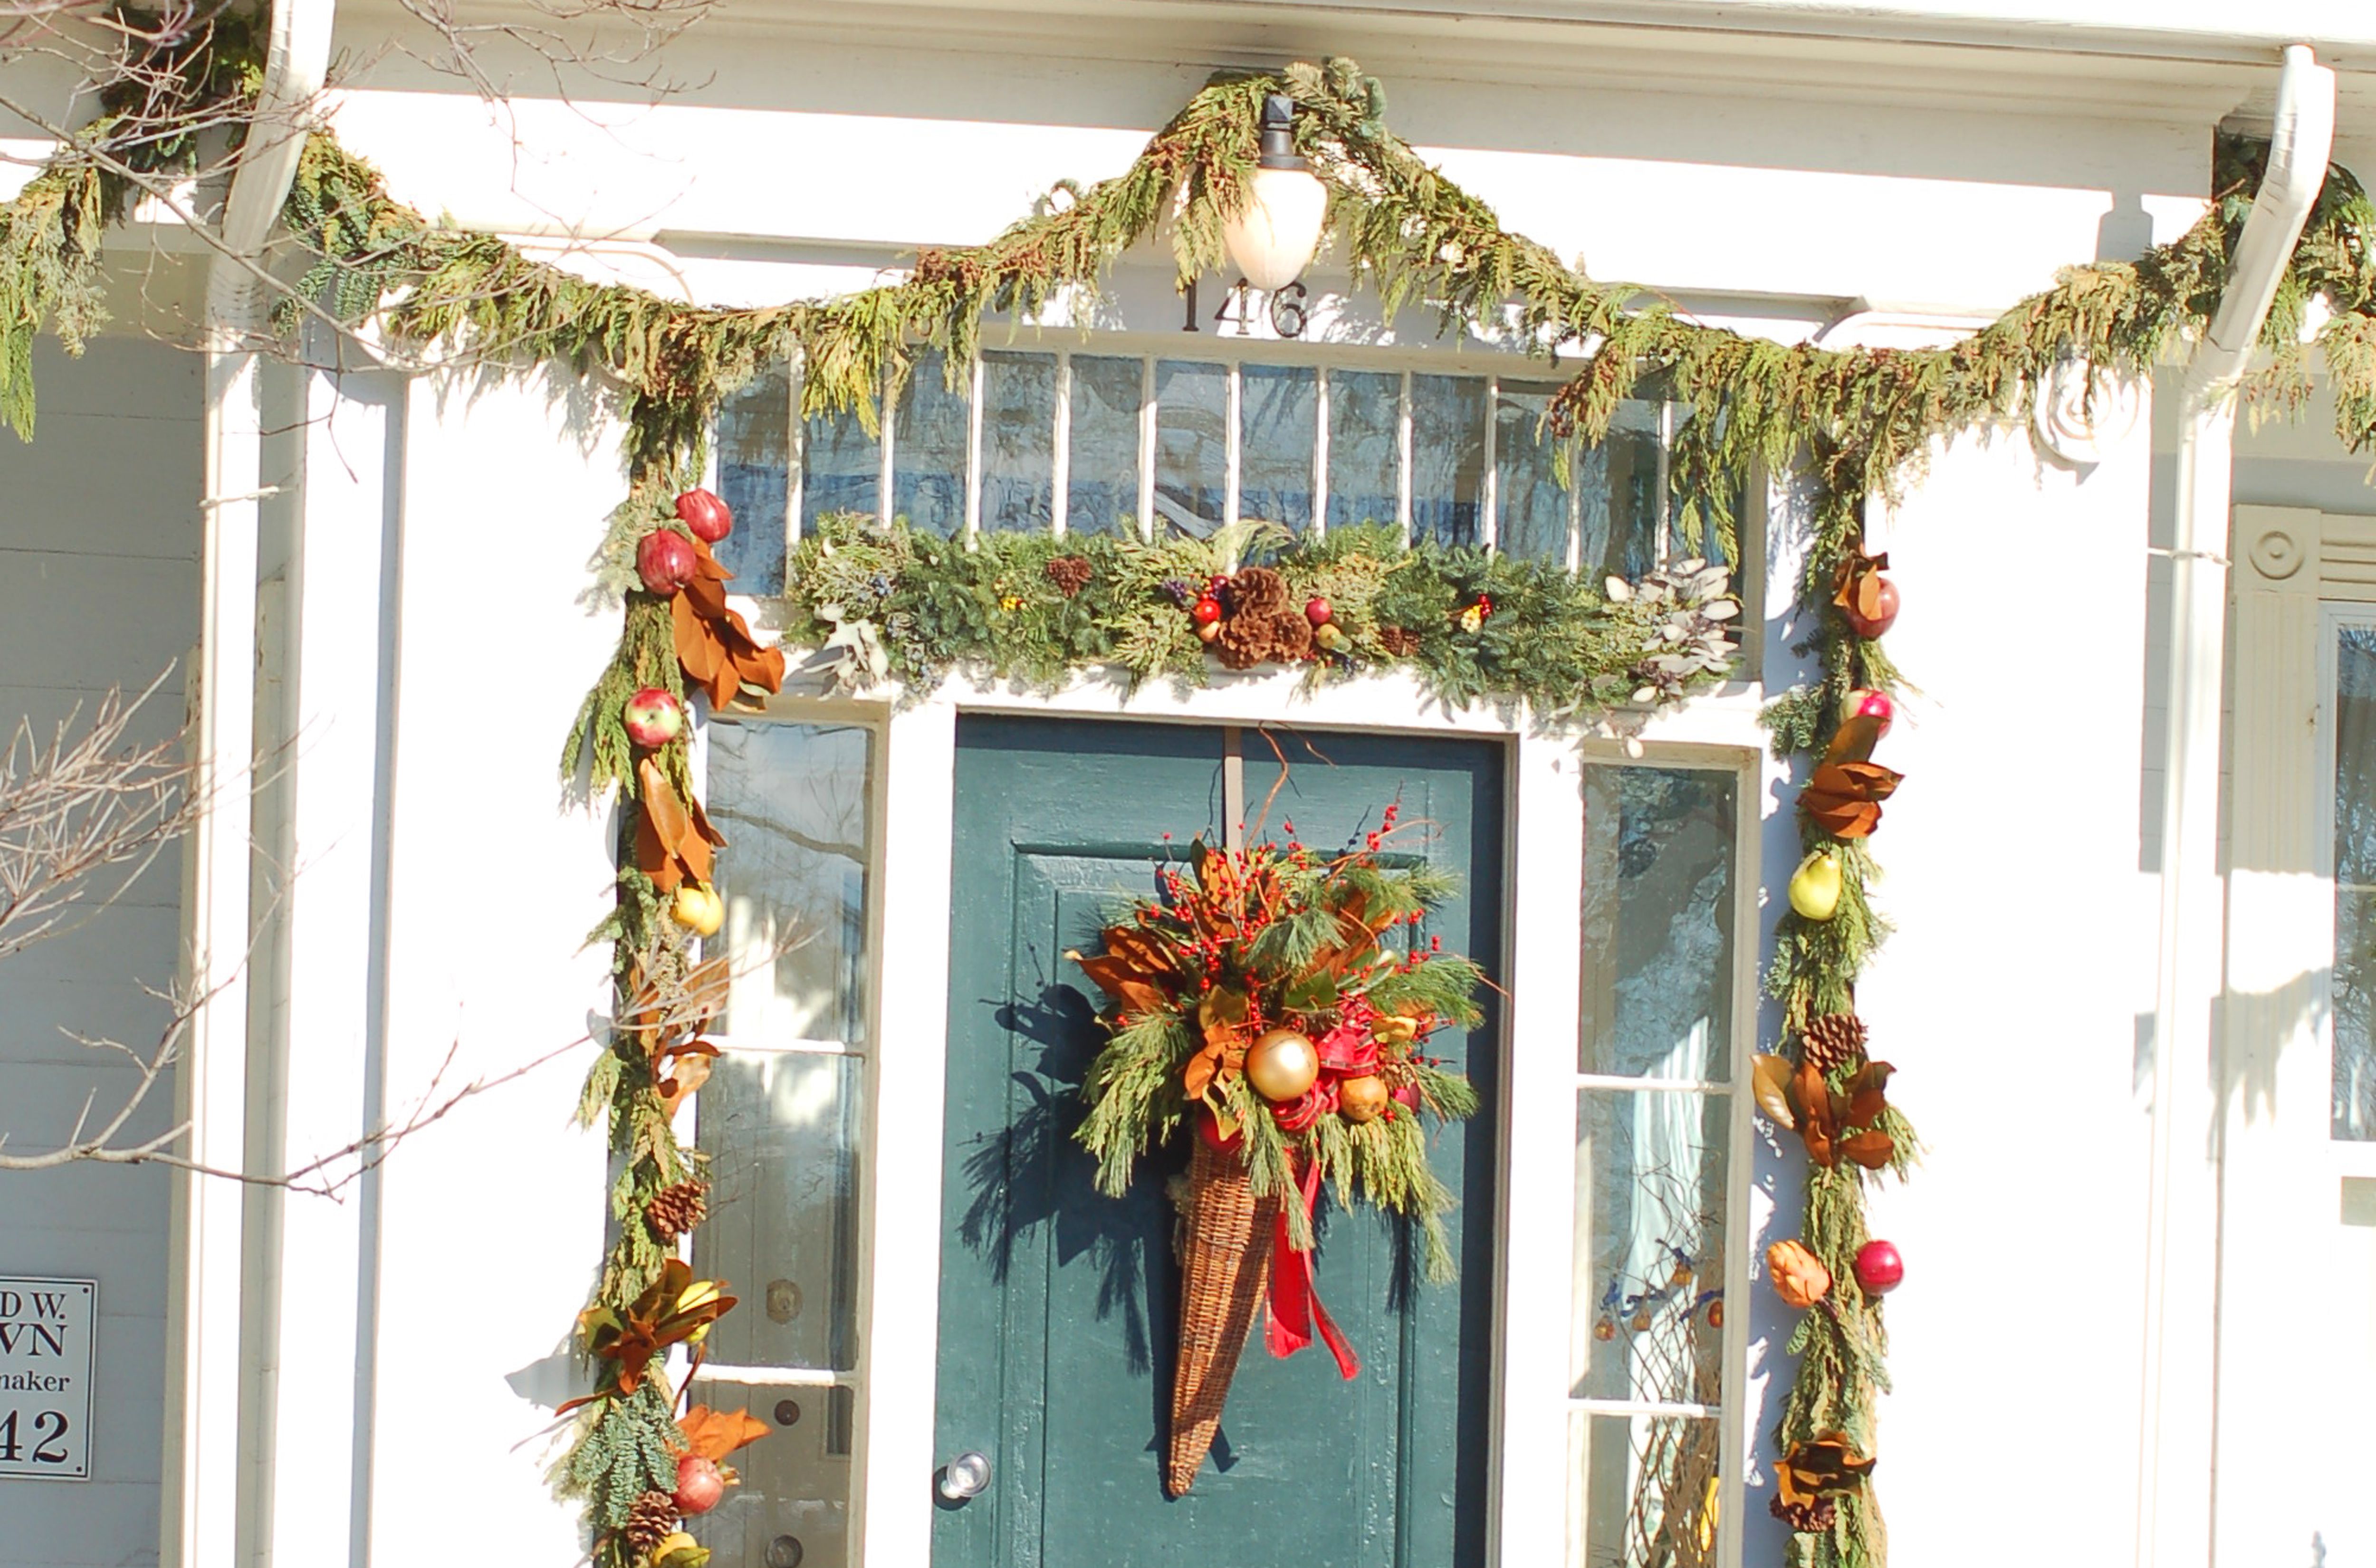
(1854, 422)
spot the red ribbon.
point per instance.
(1294, 1298)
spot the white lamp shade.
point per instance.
(1273, 240)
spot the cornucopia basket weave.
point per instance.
(1225, 1270)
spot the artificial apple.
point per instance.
(1866, 703)
(1206, 612)
(665, 561)
(1208, 1127)
(653, 717)
(706, 514)
(699, 1484)
(1884, 615)
(1879, 1268)
(698, 909)
(1318, 611)
(1815, 886)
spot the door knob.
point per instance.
(963, 1476)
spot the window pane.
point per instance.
(1192, 405)
(928, 448)
(753, 478)
(1644, 1323)
(1101, 459)
(2355, 884)
(1622, 501)
(1657, 922)
(1364, 448)
(1645, 1492)
(1018, 441)
(1447, 459)
(791, 799)
(781, 1131)
(1534, 503)
(1278, 407)
(793, 1505)
(841, 467)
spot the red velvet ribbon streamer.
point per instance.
(1294, 1298)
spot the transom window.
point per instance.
(1078, 441)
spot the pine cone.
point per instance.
(1256, 590)
(650, 1520)
(1069, 573)
(1270, 636)
(675, 1210)
(1808, 1518)
(1834, 1041)
(1401, 644)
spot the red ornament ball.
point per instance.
(698, 1485)
(1206, 612)
(1318, 611)
(1879, 1270)
(1884, 617)
(706, 514)
(665, 562)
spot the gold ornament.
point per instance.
(1815, 886)
(1362, 1098)
(1282, 1065)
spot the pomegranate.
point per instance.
(707, 513)
(665, 561)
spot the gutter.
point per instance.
(198, 1521)
(2176, 1468)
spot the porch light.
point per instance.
(1273, 240)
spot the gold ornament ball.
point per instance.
(1282, 1065)
(1362, 1099)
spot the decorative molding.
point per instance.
(2080, 417)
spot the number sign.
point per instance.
(46, 1351)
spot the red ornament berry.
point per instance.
(665, 561)
(1879, 1268)
(706, 514)
(1318, 611)
(698, 1485)
(1206, 612)
(1885, 616)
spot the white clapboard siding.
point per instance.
(98, 588)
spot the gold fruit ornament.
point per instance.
(698, 909)
(1363, 1099)
(1282, 1065)
(1815, 886)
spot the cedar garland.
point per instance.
(1858, 422)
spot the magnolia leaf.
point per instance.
(713, 1434)
(1313, 993)
(1854, 739)
(1223, 1008)
(1770, 1083)
(1872, 1148)
(1844, 798)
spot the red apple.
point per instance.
(1206, 612)
(1318, 611)
(706, 514)
(1406, 1094)
(1879, 1268)
(1208, 1127)
(653, 718)
(1878, 623)
(1866, 703)
(665, 561)
(698, 1485)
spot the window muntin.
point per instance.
(2354, 810)
(1659, 1152)
(781, 1119)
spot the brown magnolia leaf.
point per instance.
(1819, 1468)
(1223, 1008)
(1872, 1148)
(699, 651)
(1811, 1098)
(1844, 798)
(713, 1434)
(1854, 740)
(692, 1072)
(1857, 586)
(1138, 950)
(1868, 1094)
(1769, 1086)
(1124, 984)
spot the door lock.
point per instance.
(966, 1475)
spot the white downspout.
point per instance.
(2175, 1456)
(198, 1520)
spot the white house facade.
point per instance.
(2129, 869)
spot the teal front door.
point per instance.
(1058, 1306)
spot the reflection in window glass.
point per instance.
(1192, 453)
(1018, 440)
(791, 799)
(1448, 459)
(1644, 1491)
(1622, 500)
(794, 1505)
(2355, 884)
(1657, 922)
(1101, 456)
(1364, 448)
(928, 448)
(1534, 503)
(1649, 1246)
(754, 464)
(1278, 427)
(841, 467)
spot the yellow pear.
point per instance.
(1815, 886)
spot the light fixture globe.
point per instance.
(1273, 239)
